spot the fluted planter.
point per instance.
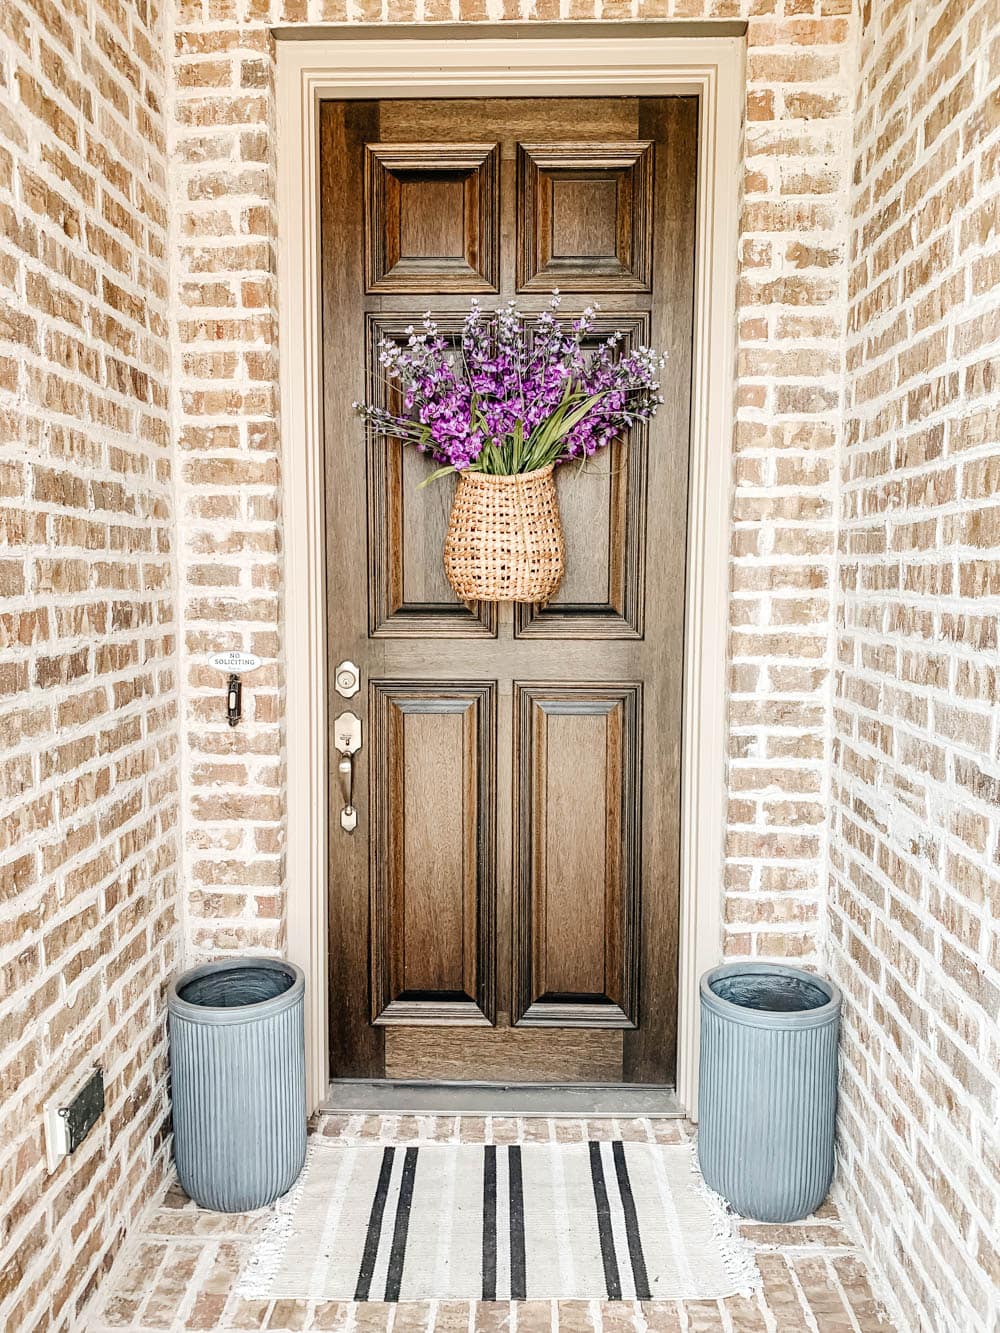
(767, 1098)
(237, 1072)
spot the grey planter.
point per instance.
(238, 1089)
(767, 1098)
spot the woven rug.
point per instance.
(532, 1221)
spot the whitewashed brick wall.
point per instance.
(915, 880)
(88, 713)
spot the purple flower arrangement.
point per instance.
(509, 399)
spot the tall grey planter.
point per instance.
(767, 1098)
(238, 1087)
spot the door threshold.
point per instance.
(556, 1100)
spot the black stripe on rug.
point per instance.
(612, 1280)
(374, 1228)
(397, 1254)
(635, 1254)
(490, 1222)
(518, 1278)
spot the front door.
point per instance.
(506, 906)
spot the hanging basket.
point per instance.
(505, 540)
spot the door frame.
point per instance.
(454, 63)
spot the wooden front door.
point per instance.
(506, 908)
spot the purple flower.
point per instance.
(514, 395)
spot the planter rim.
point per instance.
(214, 1015)
(770, 1018)
(482, 478)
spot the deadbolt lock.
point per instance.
(347, 679)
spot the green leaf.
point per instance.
(440, 472)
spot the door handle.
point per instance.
(347, 740)
(348, 814)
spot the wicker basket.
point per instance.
(505, 540)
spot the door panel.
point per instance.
(577, 863)
(432, 217)
(433, 761)
(506, 908)
(583, 217)
(510, 1055)
(603, 508)
(602, 593)
(409, 594)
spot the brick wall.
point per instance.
(915, 881)
(88, 725)
(225, 362)
(792, 301)
(791, 310)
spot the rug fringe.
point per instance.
(737, 1253)
(269, 1247)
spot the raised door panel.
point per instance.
(577, 855)
(432, 800)
(432, 222)
(602, 505)
(408, 594)
(584, 217)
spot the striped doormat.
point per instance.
(532, 1221)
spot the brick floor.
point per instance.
(180, 1271)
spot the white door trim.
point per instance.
(712, 69)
